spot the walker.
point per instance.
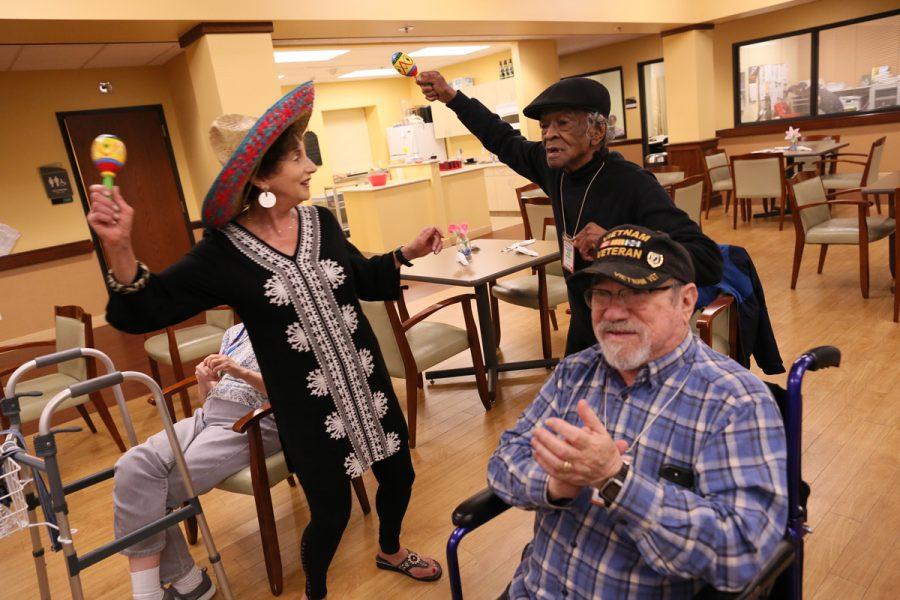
(20, 496)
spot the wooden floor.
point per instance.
(851, 447)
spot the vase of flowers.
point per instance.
(793, 136)
(461, 233)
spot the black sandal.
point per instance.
(411, 561)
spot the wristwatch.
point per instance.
(606, 494)
(398, 254)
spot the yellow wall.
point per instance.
(625, 55)
(30, 137)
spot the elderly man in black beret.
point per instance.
(592, 189)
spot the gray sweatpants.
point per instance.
(147, 483)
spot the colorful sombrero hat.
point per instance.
(241, 146)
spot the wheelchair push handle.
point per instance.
(824, 357)
(58, 357)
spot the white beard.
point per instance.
(620, 356)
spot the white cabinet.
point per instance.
(492, 94)
(501, 183)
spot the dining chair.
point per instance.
(256, 479)
(758, 175)
(814, 224)
(870, 173)
(689, 195)
(411, 345)
(526, 290)
(667, 174)
(73, 329)
(179, 345)
(718, 178)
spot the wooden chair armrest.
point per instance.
(28, 345)
(850, 154)
(252, 418)
(424, 314)
(709, 314)
(180, 386)
(401, 304)
(832, 202)
(838, 160)
(710, 170)
(839, 192)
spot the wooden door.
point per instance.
(149, 181)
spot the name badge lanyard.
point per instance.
(568, 257)
(236, 342)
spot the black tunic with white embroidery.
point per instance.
(320, 360)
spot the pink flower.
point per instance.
(452, 228)
(792, 134)
(464, 228)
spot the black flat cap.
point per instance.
(574, 92)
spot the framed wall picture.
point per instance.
(612, 79)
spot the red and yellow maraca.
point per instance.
(404, 64)
(108, 154)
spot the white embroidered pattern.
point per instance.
(352, 465)
(333, 271)
(350, 317)
(343, 368)
(276, 291)
(316, 383)
(367, 360)
(393, 442)
(297, 337)
(335, 427)
(381, 403)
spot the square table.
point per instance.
(488, 263)
(890, 185)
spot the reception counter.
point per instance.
(381, 218)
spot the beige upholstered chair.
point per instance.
(718, 178)
(667, 174)
(688, 195)
(870, 173)
(814, 224)
(525, 290)
(263, 473)
(73, 330)
(716, 325)
(759, 175)
(178, 346)
(410, 345)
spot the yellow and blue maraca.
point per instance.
(404, 64)
(108, 154)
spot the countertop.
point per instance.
(389, 185)
(469, 168)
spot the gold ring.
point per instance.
(566, 466)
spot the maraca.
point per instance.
(404, 64)
(108, 154)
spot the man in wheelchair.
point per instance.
(655, 466)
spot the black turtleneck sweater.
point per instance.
(623, 193)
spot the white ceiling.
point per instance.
(40, 57)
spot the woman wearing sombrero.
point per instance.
(295, 281)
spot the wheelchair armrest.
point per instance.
(760, 586)
(478, 509)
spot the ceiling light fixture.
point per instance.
(370, 73)
(446, 51)
(291, 56)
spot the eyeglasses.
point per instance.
(602, 299)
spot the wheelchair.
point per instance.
(782, 576)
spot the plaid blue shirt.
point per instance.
(658, 539)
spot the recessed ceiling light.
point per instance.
(446, 51)
(289, 56)
(280, 76)
(369, 73)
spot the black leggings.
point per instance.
(328, 494)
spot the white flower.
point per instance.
(335, 426)
(393, 443)
(367, 361)
(350, 318)
(333, 271)
(353, 466)
(381, 403)
(277, 292)
(792, 134)
(297, 337)
(316, 383)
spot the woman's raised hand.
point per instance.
(110, 216)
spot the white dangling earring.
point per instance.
(266, 198)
